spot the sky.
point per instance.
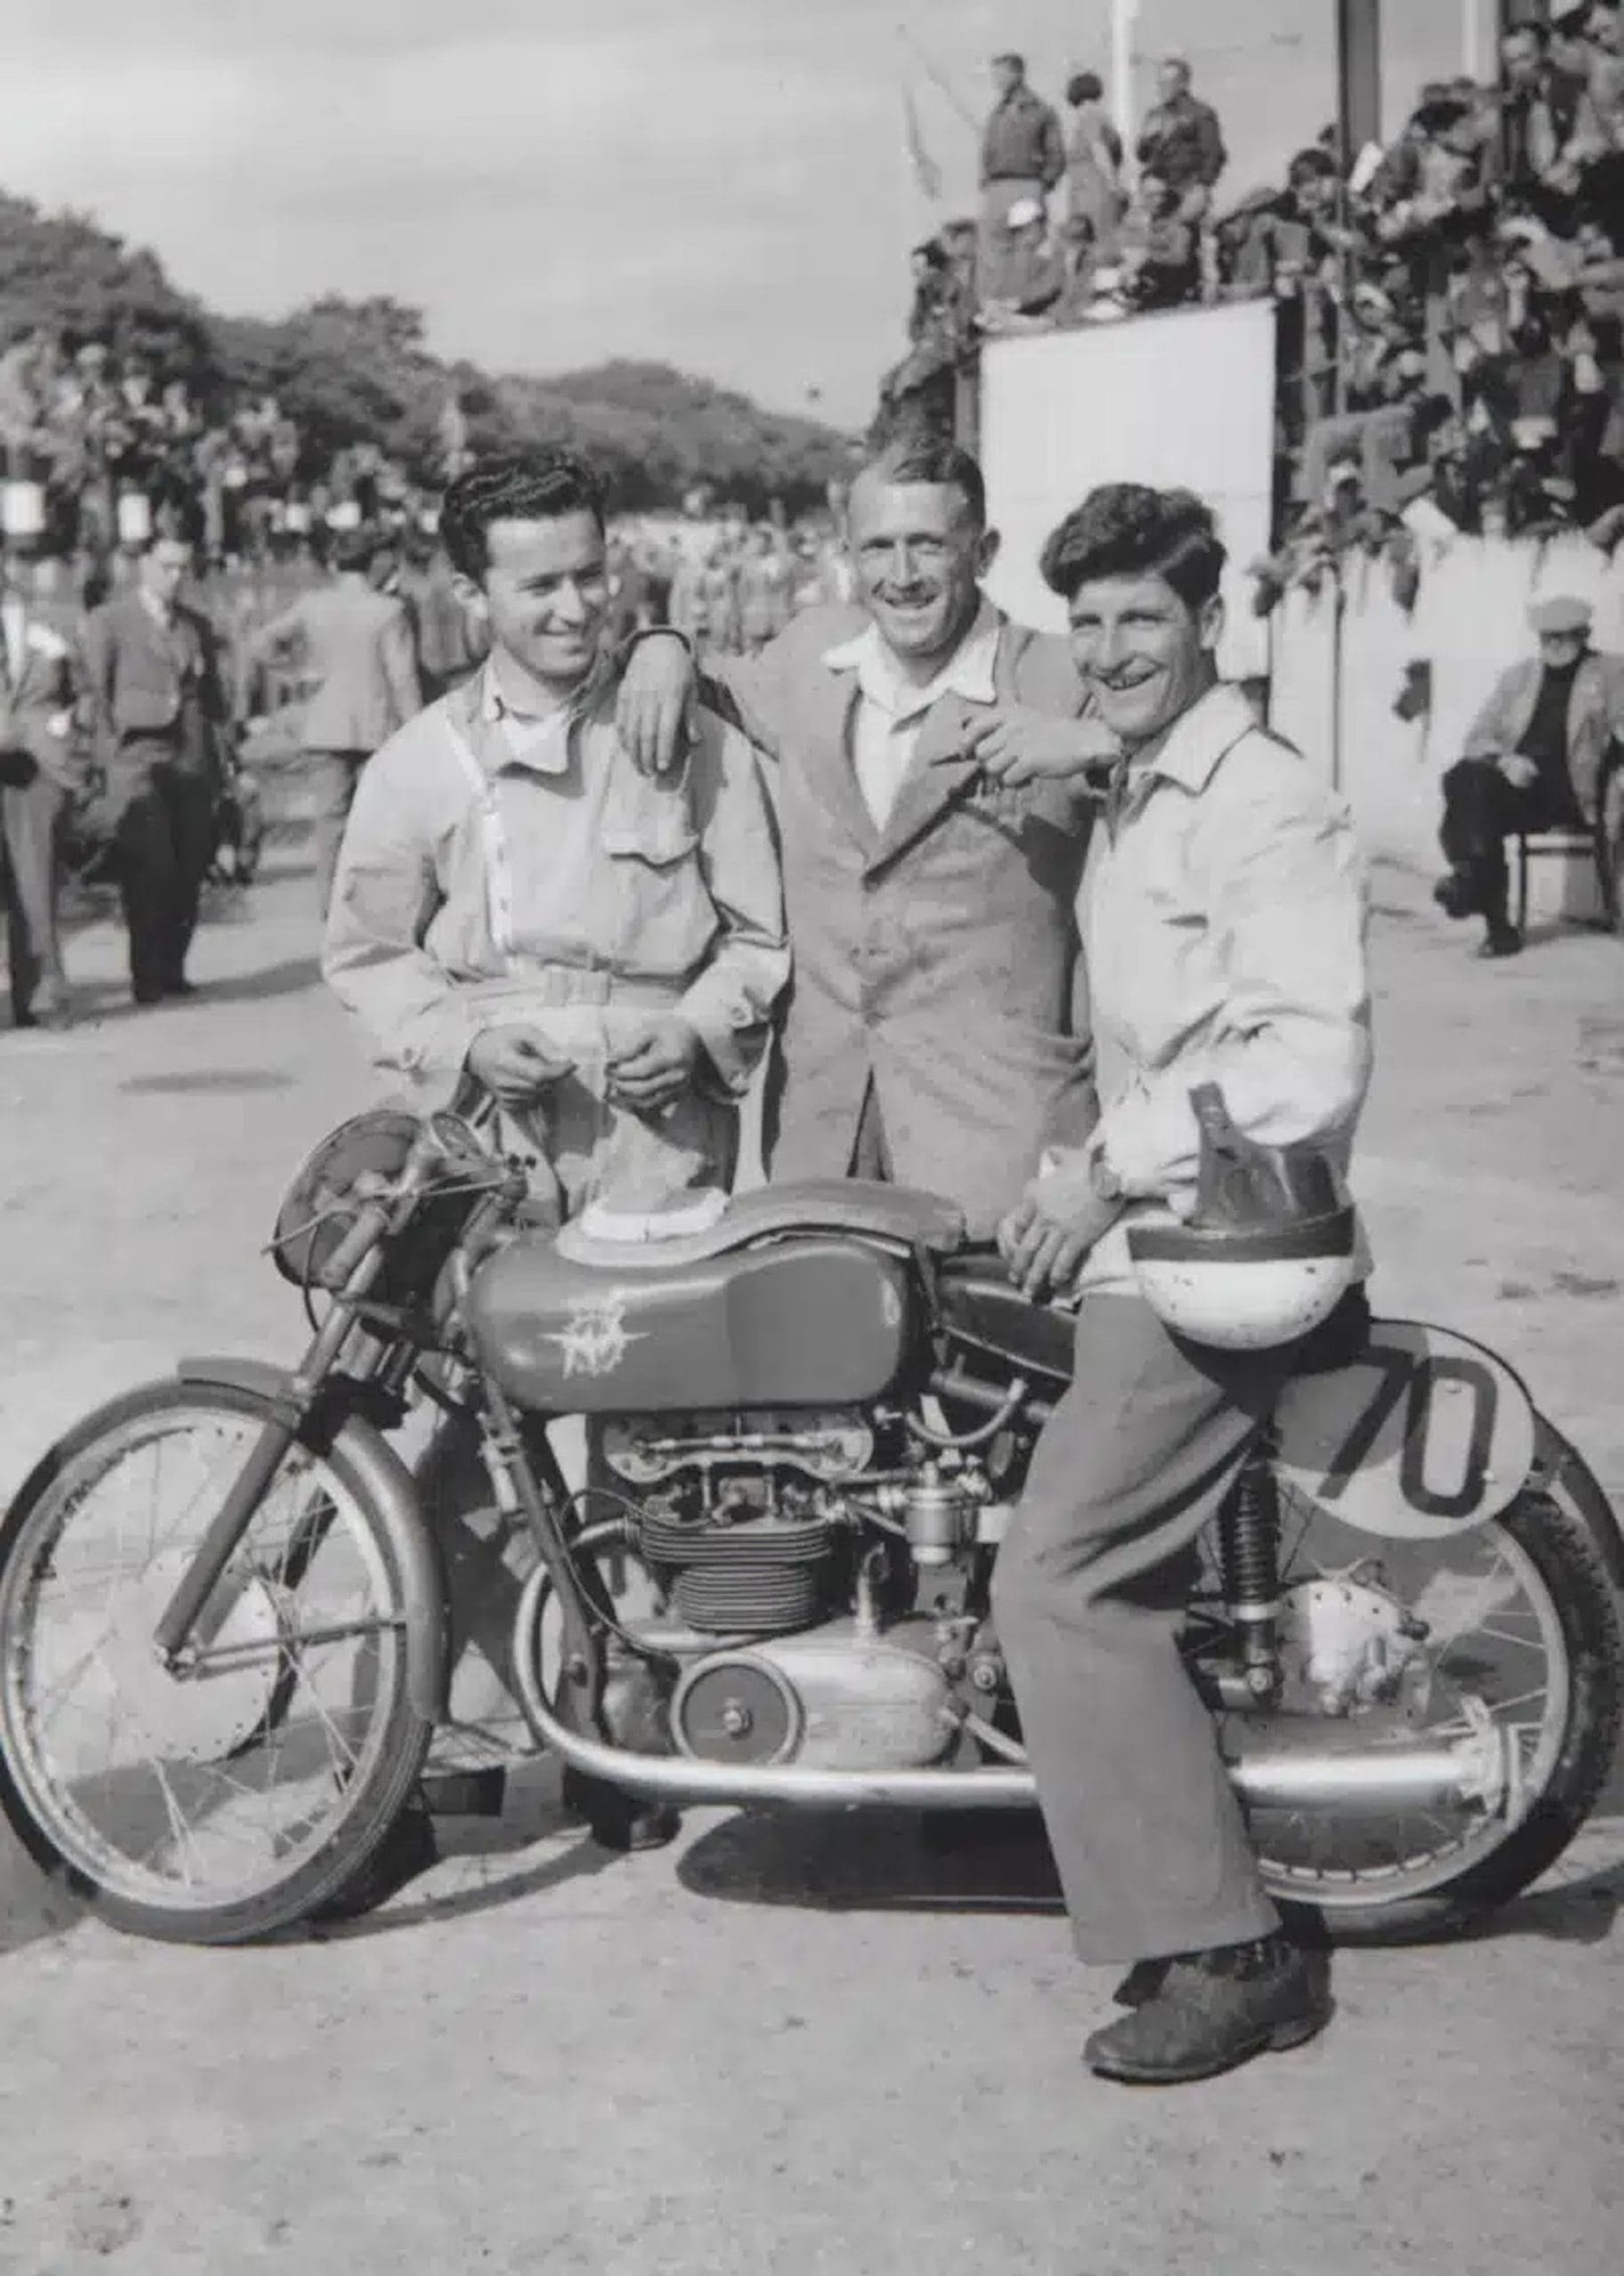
(720, 184)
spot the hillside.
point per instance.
(350, 371)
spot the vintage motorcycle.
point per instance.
(223, 1621)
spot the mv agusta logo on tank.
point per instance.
(222, 1627)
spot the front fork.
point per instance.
(174, 1639)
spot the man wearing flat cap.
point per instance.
(1534, 758)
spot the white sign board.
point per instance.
(1184, 399)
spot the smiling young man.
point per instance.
(930, 1034)
(516, 900)
(1222, 920)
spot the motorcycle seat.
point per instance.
(868, 1210)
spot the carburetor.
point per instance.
(939, 1511)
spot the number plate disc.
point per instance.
(1424, 1435)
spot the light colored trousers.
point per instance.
(1146, 1829)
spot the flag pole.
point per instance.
(1124, 14)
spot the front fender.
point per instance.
(391, 1490)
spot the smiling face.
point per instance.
(545, 595)
(918, 552)
(1144, 653)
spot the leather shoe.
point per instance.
(615, 1819)
(1455, 893)
(1503, 941)
(1213, 2011)
(1141, 1982)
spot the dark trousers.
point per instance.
(1481, 810)
(1087, 1593)
(30, 824)
(163, 841)
(334, 777)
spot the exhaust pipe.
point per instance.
(1476, 1770)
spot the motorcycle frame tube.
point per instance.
(389, 1484)
(1295, 1777)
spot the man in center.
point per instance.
(935, 1031)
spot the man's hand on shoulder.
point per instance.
(1016, 745)
(653, 713)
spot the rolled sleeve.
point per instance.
(729, 1001)
(385, 895)
(1292, 1054)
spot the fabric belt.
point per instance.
(559, 985)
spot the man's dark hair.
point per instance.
(1016, 62)
(922, 455)
(519, 487)
(1573, 23)
(1315, 161)
(1085, 87)
(1125, 529)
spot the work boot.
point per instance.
(1503, 940)
(1215, 2010)
(615, 1819)
(1456, 893)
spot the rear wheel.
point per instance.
(218, 1806)
(1521, 1639)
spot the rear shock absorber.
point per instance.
(1249, 1548)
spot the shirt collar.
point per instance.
(968, 672)
(541, 741)
(1210, 729)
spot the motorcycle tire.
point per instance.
(1562, 1548)
(363, 1807)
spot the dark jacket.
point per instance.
(1182, 142)
(1022, 141)
(155, 692)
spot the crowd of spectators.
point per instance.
(1452, 305)
(95, 444)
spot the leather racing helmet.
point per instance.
(1267, 1254)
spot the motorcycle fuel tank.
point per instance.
(801, 1323)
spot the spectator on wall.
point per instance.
(1181, 141)
(1160, 258)
(1093, 166)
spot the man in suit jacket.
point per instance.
(355, 648)
(152, 674)
(40, 769)
(930, 1035)
(1534, 759)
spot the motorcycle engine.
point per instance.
(789, 1586)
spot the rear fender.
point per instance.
(388, 1485)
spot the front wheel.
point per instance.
(219, 1806)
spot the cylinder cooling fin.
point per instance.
(756, 1577)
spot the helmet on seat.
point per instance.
(1268, 1251)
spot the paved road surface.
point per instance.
(782, 2049)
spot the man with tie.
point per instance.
(932, 1033)
(40, 769)
(152, 672)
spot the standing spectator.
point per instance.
(355, 650)
(39, 770)
(1546, 124)
(1093, 166)
(1182, 142)
(1023, 156)
(1534, 758)
(152, 673)
(447, 642)
(764, 589)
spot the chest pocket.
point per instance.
(665, 916)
